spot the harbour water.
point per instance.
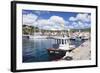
(35, 50)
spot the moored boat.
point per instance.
(62, 50)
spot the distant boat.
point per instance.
(37, 37)
(78, 39)
(25, 37)
(79, 36)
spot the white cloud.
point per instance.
(72, 19)
(80, 24)
(57, 22)
(41, 23)
(45, 22)
(86, 25)
(48, 25)
(29, 19)
(81, 17)
(74, 25)
(57, 19)
(80, 21)
(53, 23)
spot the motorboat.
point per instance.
(63, 50)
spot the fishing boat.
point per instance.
(63, 49)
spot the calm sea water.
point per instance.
(36, 50)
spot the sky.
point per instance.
(55, 20)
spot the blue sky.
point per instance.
(54, 20)
(47, 14)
